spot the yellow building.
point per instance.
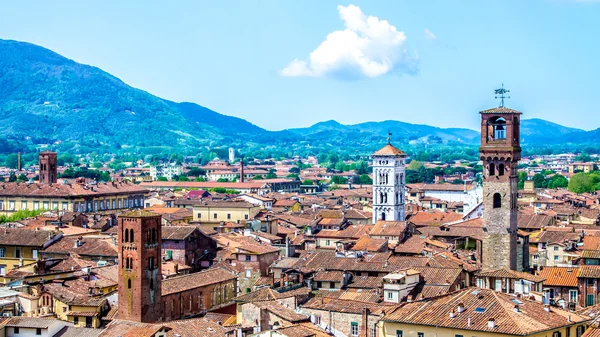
(73, 197)
(77, 301)
(21, 247)
(224, 211)
(476, 312)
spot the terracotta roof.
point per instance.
(434, 218)
(78, 332)
(366, 282)
(389, 150)
(350, 232)
(25, 237)
(88, 247)
(388, 228)
(369, 244)
(560, 276)
(303, 330)
(533, 221)
(279, 310)
(500, 110)
(68, 190)
(192, 327)
(329, 276)
(586, 271)
(176, 232)
(480, 306)
(346, 306)
(511, 274)
(590, 254)
(195, 280)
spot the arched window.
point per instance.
(131, 235)
(151, 283)
(492, 169)
(154, 235)
(383, 216)
(501, 169)
(497, 200)
(128, 283)
(499, 125)
(148, 236)
(126, 235)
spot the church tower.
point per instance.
(388, 184)
(500, 152)
(47, 166)
(139, 266)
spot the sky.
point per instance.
(285, 64)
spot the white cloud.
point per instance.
(429, 35)
(367, 47)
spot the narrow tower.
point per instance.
(500, 152)
(388, 183)
(47, 167)
(139, 266)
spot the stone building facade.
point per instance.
(500, 152)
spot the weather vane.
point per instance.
(501, 92)
(389, 137)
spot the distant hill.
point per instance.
(46, 98)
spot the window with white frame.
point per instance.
(11, 205)
(354, 328)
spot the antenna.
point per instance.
(501, 92)
(389, 137)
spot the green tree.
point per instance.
(308, 182)
(558, 181)
(161, 178)
(258, 177)
(338, 180)
(581, 183)
(12, 177)
(222, 180)
(271, 176)
(97, 164)
(522, 176)
(539, 181)
(583, 157)
(414, 165)
(183, 178)
(22, 178)
(105, 176)
(12, 161)
(364, 179)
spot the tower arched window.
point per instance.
(131, 235)
(497, 200)
(499, 127)
(151, 283)
(128, 283)
(501, 169)
(154, 239)
(492, 169)
(383, 216)
(126, 235)
(148, 236)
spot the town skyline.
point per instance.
(444, 80)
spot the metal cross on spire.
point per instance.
(389, 137)
(501, 92)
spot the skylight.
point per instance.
(479, 310)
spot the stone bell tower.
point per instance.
(500, 152)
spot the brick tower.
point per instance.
(47, 161)
(139, 266)
(500, 152)
(388, 184)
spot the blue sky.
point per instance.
(432, 62)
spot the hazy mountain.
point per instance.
(47, 98)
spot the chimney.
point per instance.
(516, 308)
(452, 314)
(241, 168)
(547, 308)
(491, 323)
(461, 307)
(469, 321)
(76, 244)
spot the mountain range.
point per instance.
(46, 98)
